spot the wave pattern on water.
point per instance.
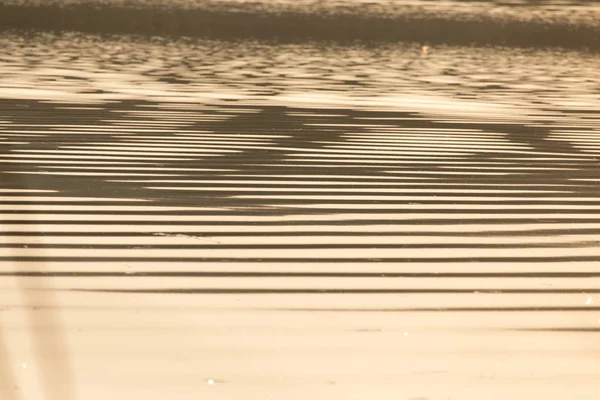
(238, 221)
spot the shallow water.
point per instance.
(252, 219)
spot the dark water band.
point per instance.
(293, 26)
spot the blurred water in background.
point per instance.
(572, 24)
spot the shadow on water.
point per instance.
(50, 345)
(47, 334)
(8, 381)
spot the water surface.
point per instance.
(201, 217)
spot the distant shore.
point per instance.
(479, 24)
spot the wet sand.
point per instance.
(198, 218)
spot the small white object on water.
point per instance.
(405, 333)
(210, 382)
(24, 365)
(588, 301)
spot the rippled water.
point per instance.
(90, 69)
(196, 217)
